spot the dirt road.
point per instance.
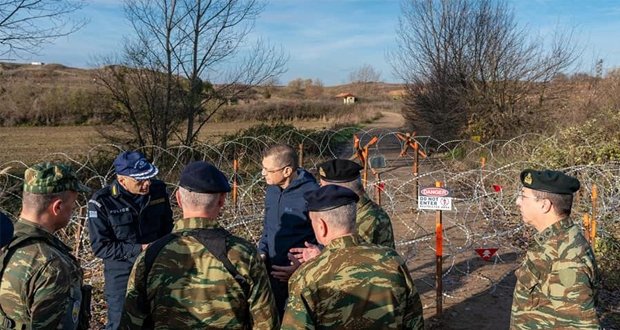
(476, 294)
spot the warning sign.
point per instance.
(486, 253)
(433, 198)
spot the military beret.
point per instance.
(549, 181)
(135, 165)
(6, 230)
(339, 170)
(329, 197)
(203, 177)
(49, 178)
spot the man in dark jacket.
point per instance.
(123, 218)
(286, 224)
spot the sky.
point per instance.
(329, 39)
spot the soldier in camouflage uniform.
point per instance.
(372, 222)
(351, 284)
(41, 281)
(557, 282)
(188, 286)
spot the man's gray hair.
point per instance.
(342, 217)
(196, 200)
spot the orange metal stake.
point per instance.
(235, 170)
(377, 188)
(439, 254)
(301, 155)
(593, 223)
(586, 227)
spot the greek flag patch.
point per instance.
(92, 214)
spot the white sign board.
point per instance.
(432, 198)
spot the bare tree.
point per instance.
(26, 25)
(470, 69)
(363, 77)
(195, 43)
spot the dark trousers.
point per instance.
(280, 293)
(115, 309)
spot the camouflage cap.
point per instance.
(49, 178)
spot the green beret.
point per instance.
(49, 178)
(549, 181)
(339, 170)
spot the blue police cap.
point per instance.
(135, 165)
(329, 197)
(6, 230)
(203, 177)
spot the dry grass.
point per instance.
(34, 144)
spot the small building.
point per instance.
(37, 63)
(348, 98)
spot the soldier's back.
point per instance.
(353, 285)
(41, 283)
(188, 288)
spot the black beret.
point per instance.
(329, 197)
(203, 177)
(549, 181)
(340, 170)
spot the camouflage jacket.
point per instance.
(373, 223)
(353, 285)
(188, 288)
(557, 282)
(40, 287)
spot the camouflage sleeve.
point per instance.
(414, 313)
(55, 297)
(571, 293)
(374, 226)
(261, 301)
(136, 306)
(297, 314)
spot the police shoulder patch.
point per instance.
(95, 202)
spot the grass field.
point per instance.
(34, 144)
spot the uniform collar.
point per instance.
(25, 227)
(553, 230)
(344, 242)
(364, 199)
(186, 224)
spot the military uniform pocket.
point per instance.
(123, 226)
(529, 286)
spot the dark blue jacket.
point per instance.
(286, 224)
(120, 222)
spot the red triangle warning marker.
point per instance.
(486, 253)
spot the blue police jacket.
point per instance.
(120, 222)
(286, 224)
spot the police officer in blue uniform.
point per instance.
(123, 218)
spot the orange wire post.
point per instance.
(235, 170)
(301, 155)
(377, 187)
(586, 227)
(593, 222)
(439, 255)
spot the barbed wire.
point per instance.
(484, 213)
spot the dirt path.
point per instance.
(477, 294)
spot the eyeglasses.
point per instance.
(276, 170)
(138, 181)
(521, 195)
